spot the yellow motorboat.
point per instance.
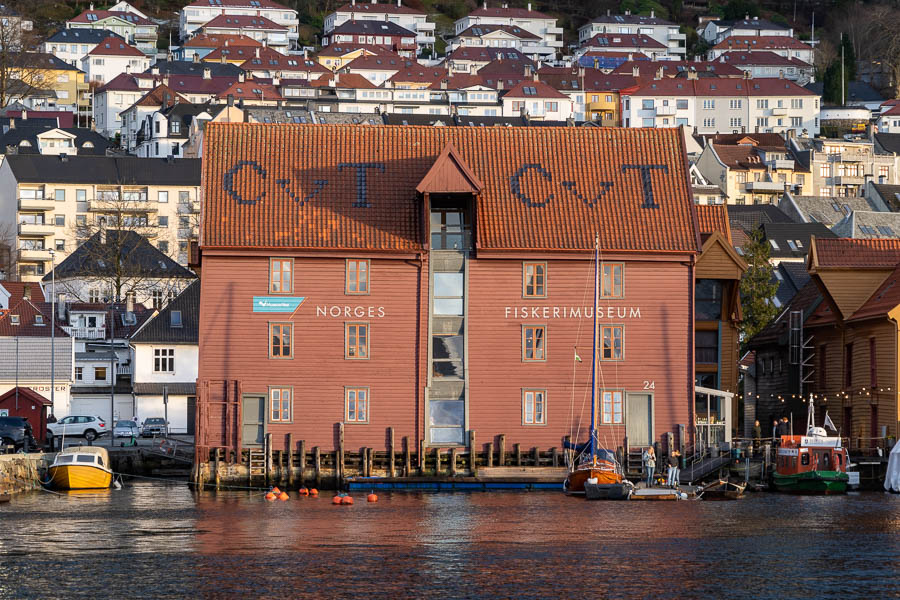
(80, 468)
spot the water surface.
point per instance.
(154, 540)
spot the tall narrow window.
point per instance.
(611, 409)
(534, 407)
(873, 364)
(357, 340)
(612, 286)
(357, 277)
(281, 334)
(848, 365)
(612, 336)
(534, 276)
(280, 408)
(282, 276)
(533, 342)
(357, 401)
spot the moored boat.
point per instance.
(81, 467)
(815, 463)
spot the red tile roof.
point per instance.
(512, 30)
(418, 74)
(388, 8)
(542, 91)
(761, 42)
(231, 52)
(458, 81)
(269, 59)
(349, 187)
(16, 291)
(343, 80)
(183, 84)
(765, 58)
(217, 40)
(244, 22)
(241, 4)
(721, 86)
(251, 89)
(671, 68)
(27, 327)
(584, 79)
(622, 40)
(516, 13)
(857, 253)
(105, 14)
(162, 96)
(739, 157)
(113, 46)
(713, 218)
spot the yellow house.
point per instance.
(44, 82)
(336, 56)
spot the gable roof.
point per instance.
(115, 46)
(761, 42)
(242, 22)
(28, 326)
(92, 16)
(890, 194)
(25, 395)
(828, 210)
(869, 224)
(345, 186)
(195, 69)
(486, 29)
(534, 89)
(784, 234)
(16, 291)
(713, 218)
(160, 96)
(807, 300)
(354, 27)
(760, 58)
(622, 40)
(220, 40)
(139, 257)
(507, 12)
(159, 328)
(751, 216)
(672, 68)
(85, 141)
(630, 19)
(450, 174)
(81, 35)
(890, 142)
(848, 253)
(721, 86)
(791, 277)
(388, 8)
(884, 300)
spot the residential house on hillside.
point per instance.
(761, 65)
(137, 30)
(467, 59)
(716, 31)
(824, 210)
(31, 138)
(842, 167)
(26, 345)
(59, 196)
(72, 45)
(133, 118)
(260, 29)
(165, 132)
(164, 354)
(406, 17)
(628, 46)
(500, 36)
(534, 21)
(195, 15)
(782, 45)
(41, 81)
(201, 46)
(383, 34)
(111, 57)
(537, 100)
(665, 32)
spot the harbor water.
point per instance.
(156, 540)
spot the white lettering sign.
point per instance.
(787, 452)
(572, 312)
(350, 312)
(821, 442)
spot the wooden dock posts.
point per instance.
(339, 459)
(407, 462)
(391, 450)
(317, 465)
(501, 459)
(268, 458)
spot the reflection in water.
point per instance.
(156, 541)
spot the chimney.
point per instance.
(276, 81)
(230, 100)
(607, 12)
(305, 54)
(91, 6)
(257, 53)
(398, 3)
(652, 14)
(165, 80)
(443, 84)
(61, 308)
(222, 59)
(102, 232)
(529, 7)
(485, 5)
(659, 73)
(24, 115)
(240, 78)
(627, 13)
(534, 76)
(26, 292)
(129, 303)
(12, 123)
(207, 73)
(635, 71)
(127, 69)
(499, 85)
(154, 71)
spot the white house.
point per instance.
(111, 57)
(769, 64)
(197, 14)
(406, 17)
(536, 22)
(889, 120)
(71, 45)
(537, 100)
(260, 29)
(665, 32)
(165, 355)
(137, 30)
(781, 45)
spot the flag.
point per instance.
(829, 423)
(578, 358)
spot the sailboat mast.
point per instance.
(594, 348)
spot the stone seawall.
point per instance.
(21, 472)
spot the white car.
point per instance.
(78, 426)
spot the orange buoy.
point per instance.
(276, 491)
(347, 500)
(336, 500)
(270, 496)
(313, 492)
(283, 496)
(303, 491)
(372, 497)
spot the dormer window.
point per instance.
(14, 319)
(175, 319)
(38, 319)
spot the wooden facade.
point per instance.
(477, 308)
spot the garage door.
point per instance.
(99, 407)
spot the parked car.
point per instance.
(14, 431)
(78, 425)
(126, 429)
(154, 426)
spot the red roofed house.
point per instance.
(538, 23)
(631, 44)
(889, 119)
(202, 45)
(384, 34)
(435, 283)
(396, 12)
(132, 25)
(762, 64)
(195, 15)
(537, 100)
(111, 57)
(258, 28)
(782, 45)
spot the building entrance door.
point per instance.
(639, 419)
(253, 420)
(191, 414)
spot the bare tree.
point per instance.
(22, 70)
(8, 253)
(888, 49)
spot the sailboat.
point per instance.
(815, 463)
(595, 471)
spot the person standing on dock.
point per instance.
(649, 465)
(674, 471)
(757, 434)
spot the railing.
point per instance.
(86, 333)
(123, 369)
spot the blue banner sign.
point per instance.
(277, 304)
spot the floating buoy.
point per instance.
(372, 497)
(270, 496)
(276, 491)
(313, 492)
(336, 500)
(283, 496)
(303, 491)
(347, 500)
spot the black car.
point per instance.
(14, 431)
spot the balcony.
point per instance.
(782, 163)
(849, 156)
(677, 36)
(123, 370)
(765, 186)
(86, 333)
(188, 208)
(33, 254)
(37, 229)
(665, 111)
(849, 180)
(779, 111)
(37, 204)
(105, 206)
(555, 30)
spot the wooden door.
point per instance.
(639, 419)
(191, 414)
(253, 421)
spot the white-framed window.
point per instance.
(611, 407)
(534, 407)
(164, 360)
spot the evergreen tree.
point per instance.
(831, 83)
(849, 58)
(757, 287)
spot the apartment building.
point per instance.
(405, 16)
(259, 28)
(137, 29)
(195, 15)
(668, 34)
(41, 81)
(723, 105)
(382, 34)
(624, 46)
(133, 117)
(202, 45)
(53, 199)
(766, 64)
(716, 31)
(842, 167)
(536, 22)
(781, 45)
(71, 45)
(111, 57)
(499, 36)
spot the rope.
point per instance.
(173, 482)
(577, 431)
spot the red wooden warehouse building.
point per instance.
(440, 281)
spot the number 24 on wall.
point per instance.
(649, 385)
